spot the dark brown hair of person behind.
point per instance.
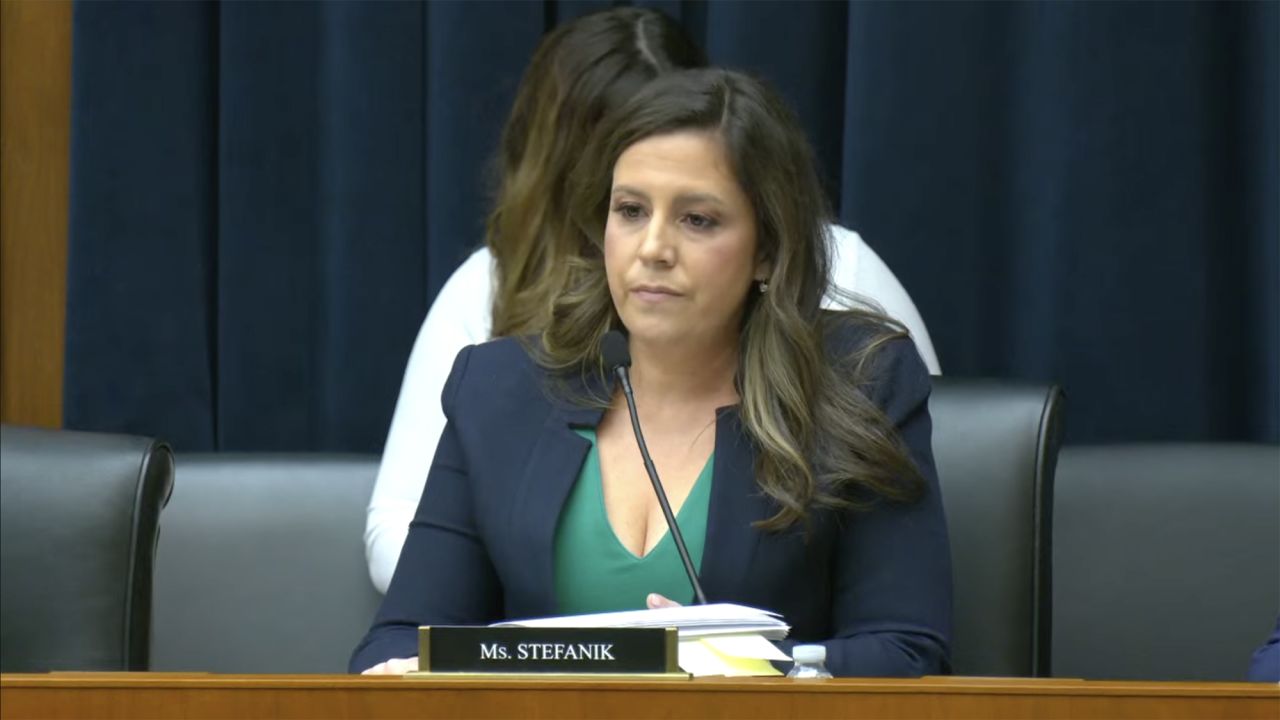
(821, 442)
(579, 71)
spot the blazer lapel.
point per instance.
(735, 504)
(553, 468)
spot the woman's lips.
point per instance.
(654, 293)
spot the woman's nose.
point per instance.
(658, 245)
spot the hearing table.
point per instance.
(171, 695)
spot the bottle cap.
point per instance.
(809, 654)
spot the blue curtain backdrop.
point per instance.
(267, 196)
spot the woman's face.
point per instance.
(680, 241)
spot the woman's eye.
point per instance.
(628, 211)
(700, 222)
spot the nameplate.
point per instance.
(572, 651)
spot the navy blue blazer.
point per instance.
(874, 586)
(1265, 666)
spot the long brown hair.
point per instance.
(579, 71)
(820, 441)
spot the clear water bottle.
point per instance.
(810, 662)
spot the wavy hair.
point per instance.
(820, 441)
(579, 71)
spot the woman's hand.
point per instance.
(655, 601)
(394, 666)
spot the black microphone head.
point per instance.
(613, 350)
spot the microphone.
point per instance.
(617, 358)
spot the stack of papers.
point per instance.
(719, 639)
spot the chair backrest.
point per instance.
(1167, 560)
(996, 444)
(261, 565)
(78, 519)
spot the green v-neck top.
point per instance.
(595, 573)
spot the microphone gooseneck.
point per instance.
(617, 358)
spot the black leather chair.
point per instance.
(996, 445)
(78, 519)
(261, 565)
(1167, 560)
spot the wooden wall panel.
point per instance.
(35, 122)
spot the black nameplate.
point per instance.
(547, 650)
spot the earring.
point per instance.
(764, 286)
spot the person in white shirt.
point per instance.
(579, 71)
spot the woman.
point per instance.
(579, 71)
(794, 442)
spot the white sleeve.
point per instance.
(460, 316)
(857, 268)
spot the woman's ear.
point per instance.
(764, 269)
